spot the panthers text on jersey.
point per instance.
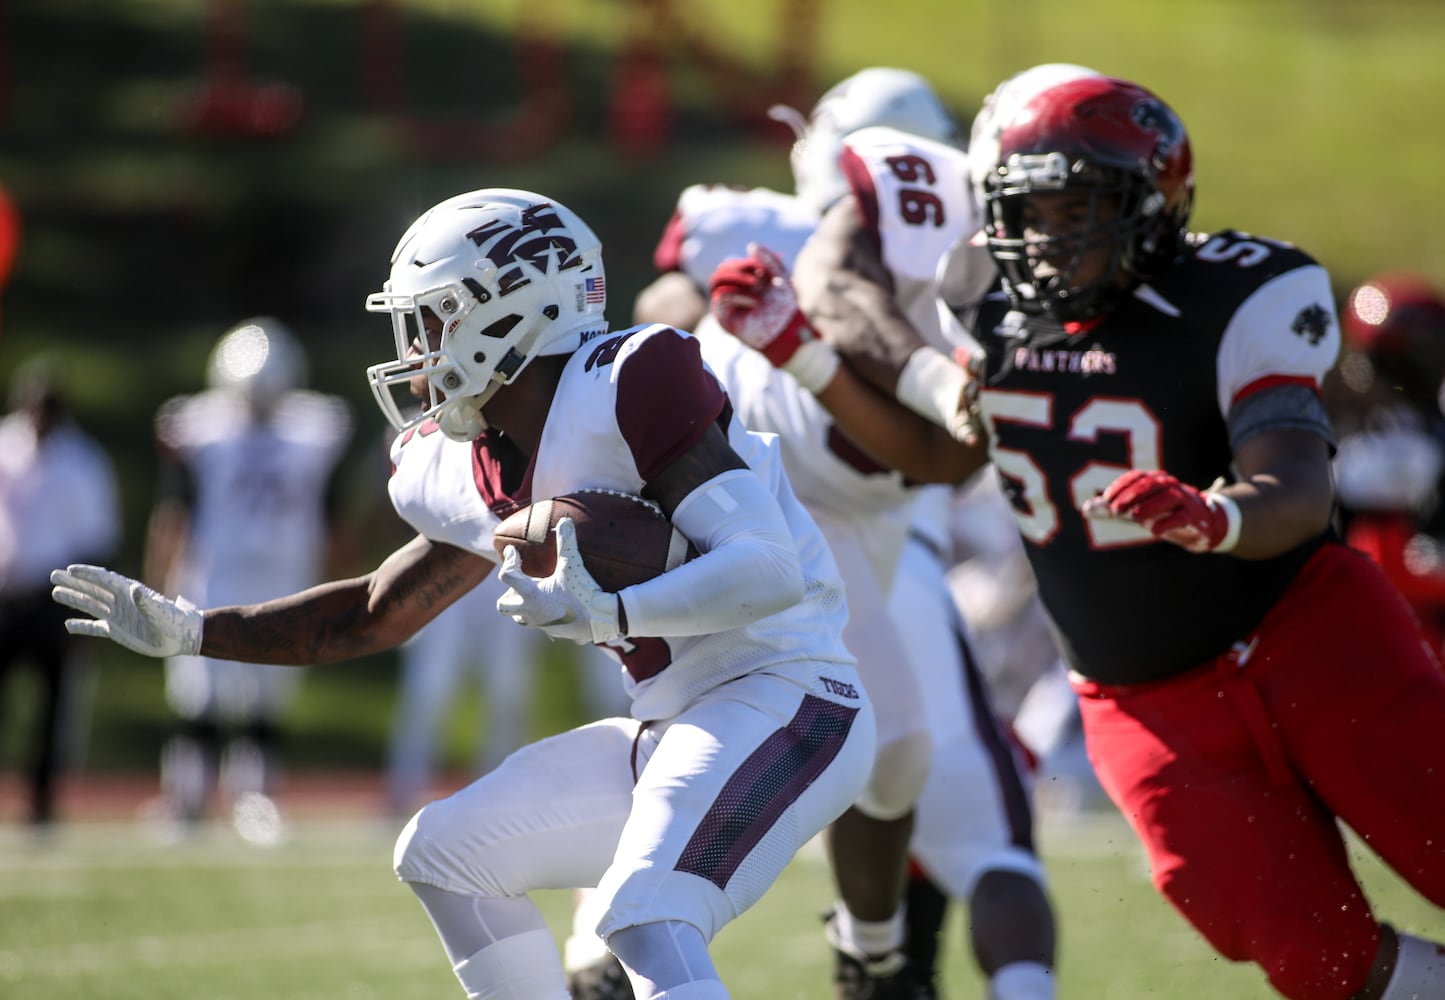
(1166, 380)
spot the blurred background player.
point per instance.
(58, 501)
(891, 540)
(1390, 467)
(1008, 629)
(243, 516)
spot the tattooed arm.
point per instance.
(348, 618)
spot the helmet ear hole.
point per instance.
(501, 327)
(551, 312)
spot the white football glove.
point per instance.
(127, 611)
(566, 605)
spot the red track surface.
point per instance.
(111, 797)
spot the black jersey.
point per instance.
(1156, 383)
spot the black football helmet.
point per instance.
(1110, 139)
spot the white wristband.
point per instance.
(1232, 518)
(193, 625)
(813, 364)
(931, 385)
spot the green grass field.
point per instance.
(101, 913)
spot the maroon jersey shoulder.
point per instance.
(666, 398)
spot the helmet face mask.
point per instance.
(1125, 156)
(480, 285)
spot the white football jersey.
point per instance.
(258, 519)
(626, 407)
(914, 196)
(713, 222)
(829, 473)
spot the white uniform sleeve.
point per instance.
(749, 568)
(1262, 345)
(923, 203)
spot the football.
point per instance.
(624, 539)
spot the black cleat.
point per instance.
(604, 979)
(923, 925)
(869, 977)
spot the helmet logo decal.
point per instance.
(1151, 115)
(528, 243)
(1312, 323)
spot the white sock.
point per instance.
(1419, 971)
(583, 947)
(866, 937)
(698, 989)
(522, 967)
(1022, 981)
(663, 957)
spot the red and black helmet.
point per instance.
(1397, 313)
(1105, 137)
(1397, 320)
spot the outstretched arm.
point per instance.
(348, 618)
(332, 621)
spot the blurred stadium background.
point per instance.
(180, 165)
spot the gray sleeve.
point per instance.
(1283, 407)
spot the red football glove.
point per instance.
(753, 300)
(1171, 511)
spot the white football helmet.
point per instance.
(502, 276)
(878, 95)
(999, 108)
(260, 359)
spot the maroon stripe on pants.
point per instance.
(769, 781)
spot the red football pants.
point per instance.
(1234, 774)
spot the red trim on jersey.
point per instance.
(860, 182)
(666, 400)
(667, 256)
(1272, 381)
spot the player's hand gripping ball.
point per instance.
(565, 558)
